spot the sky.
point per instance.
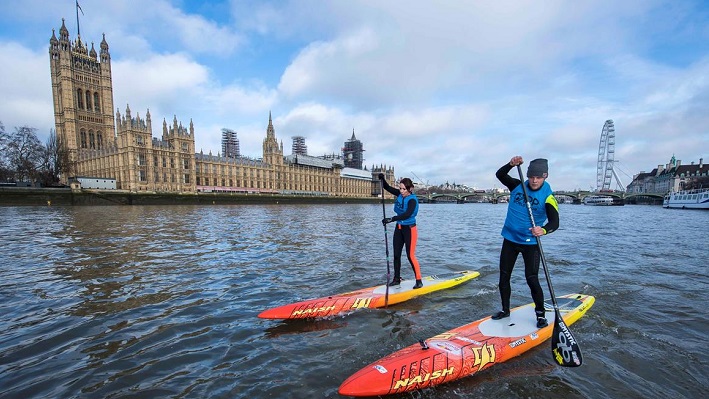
(443, 92)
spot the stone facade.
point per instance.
(670, 177)
(124, 149)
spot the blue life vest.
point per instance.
(399, 208)
(517, 223)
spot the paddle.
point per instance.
(564, 346)
(386, 243)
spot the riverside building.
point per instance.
(124, 148)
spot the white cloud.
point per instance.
(26, 88)
(448, 90)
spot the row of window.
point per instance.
(142, 161)
(80, 104)
(91, 140)
(355, 186)
(143, 177)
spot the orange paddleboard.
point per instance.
(462, 351)
(373, 297)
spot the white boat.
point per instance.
(687, 199)
(601, 200)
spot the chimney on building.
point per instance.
(701, 162)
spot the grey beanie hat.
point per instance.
(538, 167)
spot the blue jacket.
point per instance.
(517, 223)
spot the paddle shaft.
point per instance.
(386, 245)
(539, 241)
(565, 348)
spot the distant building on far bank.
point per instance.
(230, 144)
(672, 176)
(124, 150)
(353, 152)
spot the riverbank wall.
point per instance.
(67, 197)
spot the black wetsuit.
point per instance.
(520, 239)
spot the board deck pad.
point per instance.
(523, 321)
(462, 351)
(372, 297)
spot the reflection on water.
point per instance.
(153, 301)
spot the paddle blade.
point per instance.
(564, 347)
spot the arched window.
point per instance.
(83, 138)
(80, 98)
(88, 100)
(99, 140)
(92, 140)
(97, 106)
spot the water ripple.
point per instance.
(150, 301)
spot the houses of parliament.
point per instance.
(124, 150)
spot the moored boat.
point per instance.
(687, 199)
(600, 200)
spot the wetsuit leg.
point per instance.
(508, 257)
(531, 257)
(398, 247)
(410, 238)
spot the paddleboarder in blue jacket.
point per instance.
(406, 208)
(520, 237)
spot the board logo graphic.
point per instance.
(419, 379)
(381, 369)
(564, 352)
(310, 311)
(361, 303)
(472, 341)
(518, 342)
(445, 346)
(484, 355)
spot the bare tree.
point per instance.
(25, 153)
(64, 165)
(5, 171)
(697, 182)
(55, 161)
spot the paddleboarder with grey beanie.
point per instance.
(518, 235)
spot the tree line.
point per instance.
(23, 157)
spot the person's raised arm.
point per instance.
(393, 191)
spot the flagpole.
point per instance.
(78, 29)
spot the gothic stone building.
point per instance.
(124, 149)
(670, 177)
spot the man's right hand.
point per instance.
(516, 160)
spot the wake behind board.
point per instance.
(373, 297)
(462, 351)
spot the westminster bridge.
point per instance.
(575, 197)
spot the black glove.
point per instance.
(381, 176)
(386, 220)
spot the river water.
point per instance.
(161, 301)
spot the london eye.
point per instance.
(606, 153)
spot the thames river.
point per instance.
(162, 301)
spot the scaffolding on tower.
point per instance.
(353, 153)
(230, 144)
(299, 147)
